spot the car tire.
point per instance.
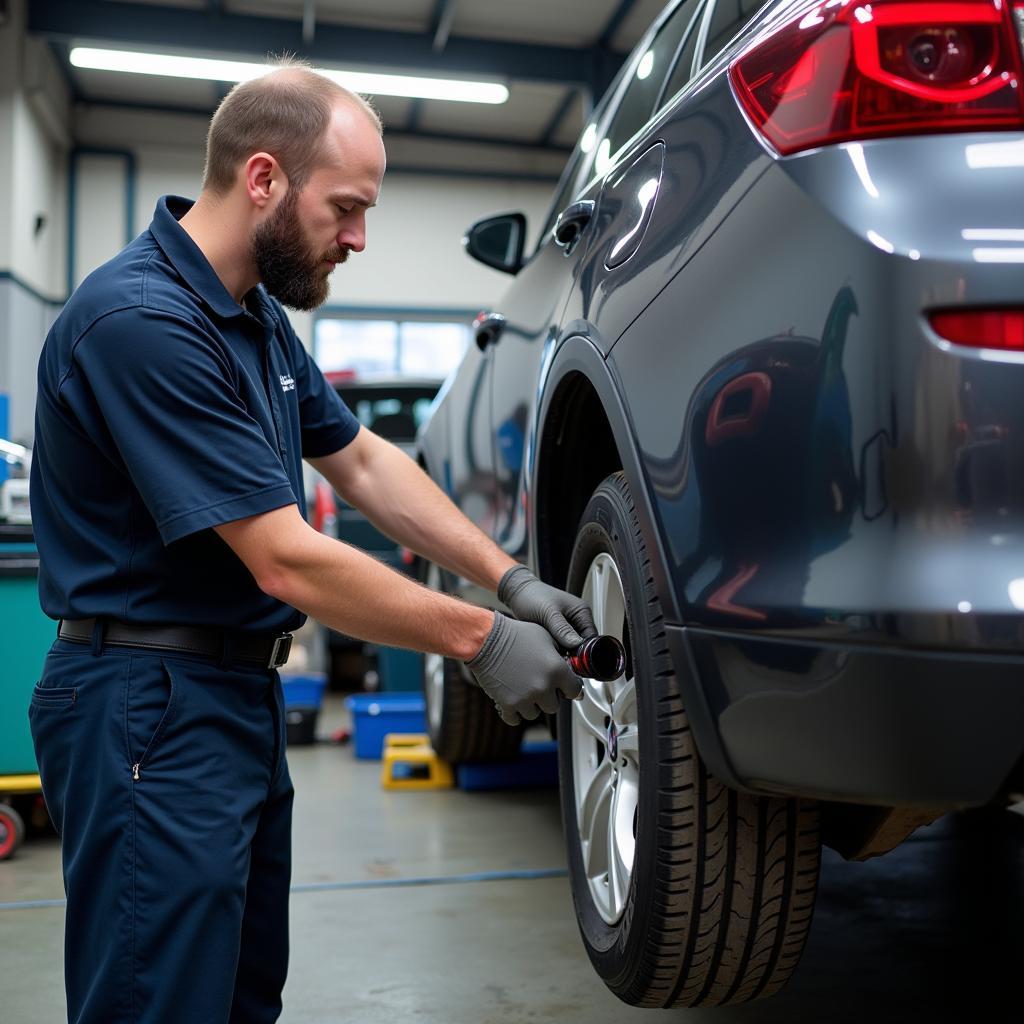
(461, 719)
(687, 892)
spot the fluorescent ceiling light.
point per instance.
(211, 70)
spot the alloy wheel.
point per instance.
(606, 756)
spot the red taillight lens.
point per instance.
(981, 328)
(325, 510)
(845, 69)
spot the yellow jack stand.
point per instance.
(420, 767)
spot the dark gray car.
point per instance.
(757, 395)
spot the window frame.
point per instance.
(660, 105)
(609, 104)
(700, 64)
(395, 314)
(698, 25)
(603, 112)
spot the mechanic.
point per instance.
(175, 406)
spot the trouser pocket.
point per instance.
(150, 706)
(73, 714)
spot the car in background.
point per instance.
(15, 468)
(395, 408)
(756, 396)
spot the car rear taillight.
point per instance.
(840, 70)
(325, 510)
(981, 328)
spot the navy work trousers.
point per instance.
(166, 778)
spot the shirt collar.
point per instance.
(188, 259)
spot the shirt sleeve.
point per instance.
(167, 397)
(327, 422)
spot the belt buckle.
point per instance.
(280, 650)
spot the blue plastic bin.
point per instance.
(537, 765)
(303, 697)
(375, 715)
(305, 691)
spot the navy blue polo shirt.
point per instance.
(166, 408)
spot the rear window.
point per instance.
(637, 102)
(728, 18)
(393, 414)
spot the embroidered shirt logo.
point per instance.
(287, 384)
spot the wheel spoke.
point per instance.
(618, 870)
(591, 711)
(629, 741)
(624, 704)
(597, 580)
(614, 603)
(594, 809)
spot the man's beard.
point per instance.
(288, 269)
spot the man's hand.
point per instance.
(566, 617)
(522, 671)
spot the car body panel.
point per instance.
(834, 495)
(711, 160)
(533, 308)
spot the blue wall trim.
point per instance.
(7, 275)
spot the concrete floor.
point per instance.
(931, 932)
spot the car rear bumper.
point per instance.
(855, 723)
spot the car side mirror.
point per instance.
(498, 242)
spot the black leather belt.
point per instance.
(267, 649)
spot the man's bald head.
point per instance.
(284, 113)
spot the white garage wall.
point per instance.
(413, 259)
(34, 140)
(414, 254)
(101, 183)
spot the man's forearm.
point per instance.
(353, 593)
(406, 505)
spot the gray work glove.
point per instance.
(566, 617)
(522, 671)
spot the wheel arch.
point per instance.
(582, 411)
(584, 434)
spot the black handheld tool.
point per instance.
(599, 657)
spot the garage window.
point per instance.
(395, 346)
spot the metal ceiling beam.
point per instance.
(441, 23)
(308, 21)
(252, 36)
(60, 56)
(619, 15)
(476, 140)
(557, 118)
(416, 133)
(412, 123)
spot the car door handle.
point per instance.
(487, 328)
(571, 222)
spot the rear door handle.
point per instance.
(487, 328)
(571, 222)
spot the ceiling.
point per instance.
(556, 56)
